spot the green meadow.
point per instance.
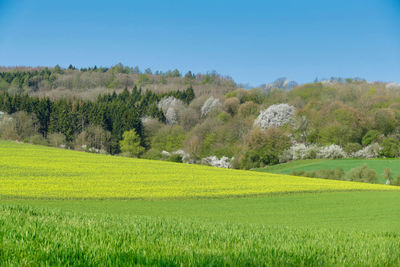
(330, 164)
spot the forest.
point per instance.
(198, 118)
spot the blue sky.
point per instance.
(252, 41)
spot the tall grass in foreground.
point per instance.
(51, 237)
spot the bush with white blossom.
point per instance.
(331, 152)
(302, 151)
(223, 162)
(276, 115)
(209, 105)
(185, 156)
(371, 151)
(298, 152)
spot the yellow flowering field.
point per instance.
(44, 172)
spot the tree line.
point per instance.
(114, 113)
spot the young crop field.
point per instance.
(42, 172)
(37, 236)
(378, 165)
(61, 207)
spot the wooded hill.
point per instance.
(202, 118)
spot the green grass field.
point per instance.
(330, 164)
(185, 214)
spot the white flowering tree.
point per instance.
(299, 151)
(393, 86)
(210, 104)
(331, 152)
(276, 115)
(170, 105)
(302, 151)
(371, 151)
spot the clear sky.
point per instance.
(252, 41)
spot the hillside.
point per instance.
(199, 118)
(88, 83)
(43, 172)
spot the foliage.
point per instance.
(247, 109)
(275, 116)
(264, 147)
(298, 152)
(336, 174)
(215, 114)
(168, 138)
(302, 151)
(169, 106)
(370, 151)
(372, 136)
(350, 148)
(331, 152)
(390, 148)
(19, 126)
(385, 121)
(114, 113)
(362, 174)
(209, 105)
(38, 139)
(378, 165)
(231, 105)
(130, 144)
(223, 162)
(57, 139)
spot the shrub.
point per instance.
(352, 148)
(18, 126)
(388, 175)
(247, 109)
(370, 151)
(390, 148)
(38, 139)
(298, 173)
(183, 156)
(397, 182)
(93, 139)
(223, 162)
(169, 138)
(175, 158)
(337, 174)
(299, 151)
(154, 154)
(371, 137)
(231, 105)
(331, 152)
(275, 115)
(223, 116)
(362, 174)
(57, 139)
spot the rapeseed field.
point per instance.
(43, 172)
